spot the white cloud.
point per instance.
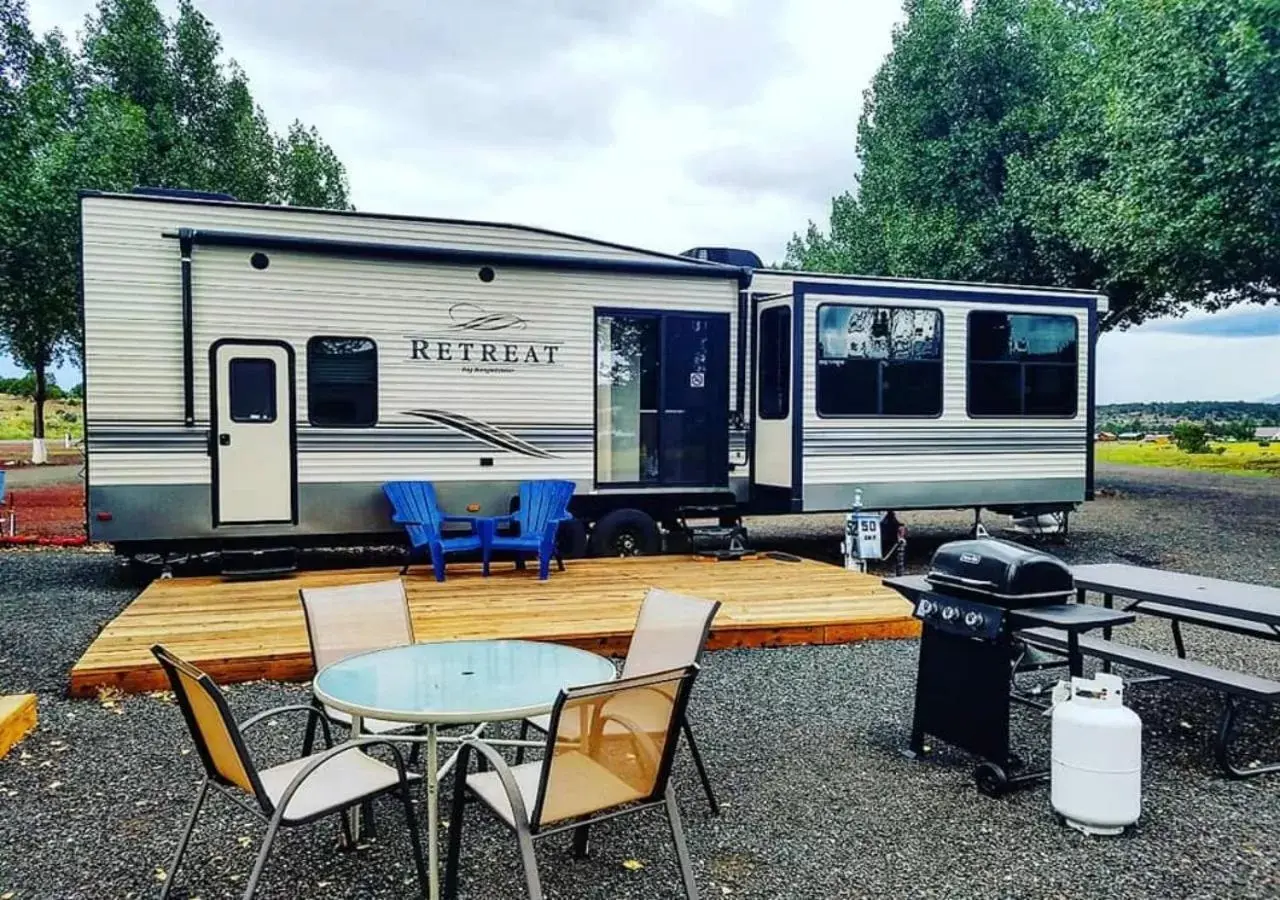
(662, 123)
(1149, 364)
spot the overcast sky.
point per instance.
(663, 123)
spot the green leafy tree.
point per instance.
(962, 95)
(66, 134)
(1129, 146)
(1190, 437)
(309, 172)
(145, 101)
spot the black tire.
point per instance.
(626, 532)
(571, 539)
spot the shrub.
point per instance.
(1190, 437)
(1219, 450)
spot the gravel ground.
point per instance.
(802, 742)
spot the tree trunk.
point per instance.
(39, 453)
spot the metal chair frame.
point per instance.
(273, 814)
(526, 825)
(694, 752)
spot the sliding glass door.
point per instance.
(662, 398)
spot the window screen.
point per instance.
(775, 363)
(879, 361)
(252, 386)
(1022, 365)
(342, 381)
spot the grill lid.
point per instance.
(997, 570)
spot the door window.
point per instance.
(775, 362)
(252, 389)
(627, 398)
(661, 398)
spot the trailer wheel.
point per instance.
(626, 532)
(571, 539)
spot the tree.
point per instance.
(310, 173)
(1190, 437)
(962, 95)
(65, 135)
(144, 102)
(1129, 146)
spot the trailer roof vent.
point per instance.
(183, 194)
(729, 256)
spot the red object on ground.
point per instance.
(52, 515)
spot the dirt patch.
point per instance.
(44, 512)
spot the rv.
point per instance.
(254, 374)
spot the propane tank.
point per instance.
(1096, 776)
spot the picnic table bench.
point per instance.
(1241, 608)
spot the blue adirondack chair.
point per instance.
(543, 506)
(415, 507)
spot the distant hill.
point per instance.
(1158, 416)
(1274, 398)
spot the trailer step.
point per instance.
(259, 565)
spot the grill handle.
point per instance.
(972, 582)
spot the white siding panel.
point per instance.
(906, 466)
(354, 467)
(151, 467)
(132, 296)
(908, 469)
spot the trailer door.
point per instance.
(775, 380)
(254, 469)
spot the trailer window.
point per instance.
(342, 382)
(252, 384)
(879, 361)
(775, 363)
(1022, 365)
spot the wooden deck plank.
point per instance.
(242, 631)
(17, 719)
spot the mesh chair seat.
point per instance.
(339, 783)
(584, 787)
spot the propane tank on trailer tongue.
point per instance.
(1096, 776)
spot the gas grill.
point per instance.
(977, 595)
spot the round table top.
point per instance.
(458, 681)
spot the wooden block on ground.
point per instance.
(17, 719)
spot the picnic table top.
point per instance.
(1240, 600)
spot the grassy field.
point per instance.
(60, 417)
(1237, 459)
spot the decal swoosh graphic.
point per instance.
(471, 317)
(481, 431)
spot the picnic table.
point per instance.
(1238, 607)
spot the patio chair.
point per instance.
(415, 507)
(287, 795)
(599, 764)
(543, 506)
(343, 621)
(671, 631)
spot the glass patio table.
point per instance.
(454, 683)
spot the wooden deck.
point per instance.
(243, 631)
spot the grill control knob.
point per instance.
(926, 607)
(949, 613)
(973, 619)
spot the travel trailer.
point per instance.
(253, 374)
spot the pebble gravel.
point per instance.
(803, 743)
